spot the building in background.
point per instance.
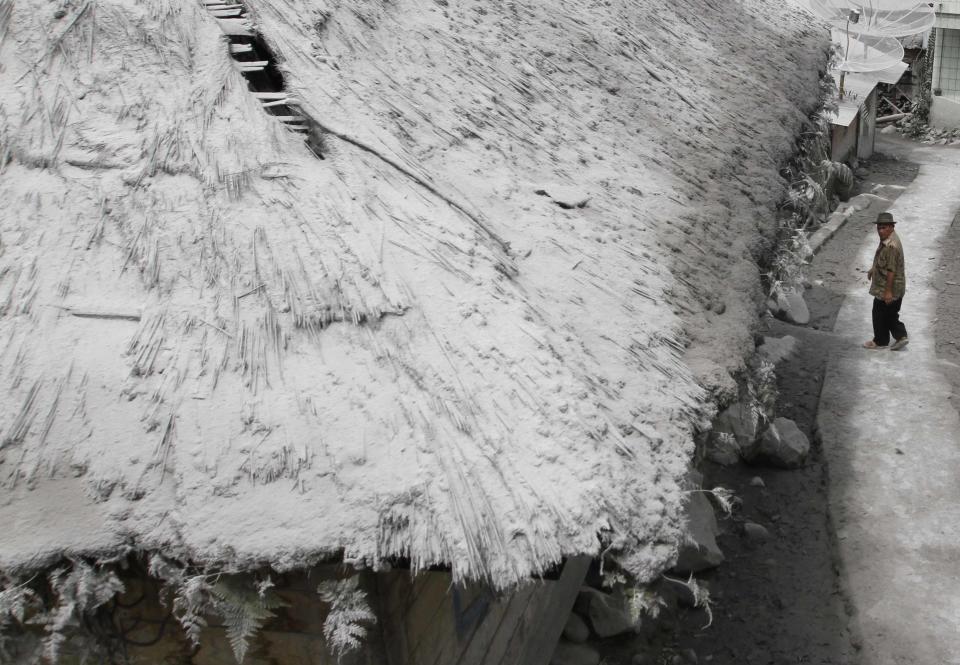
(854, 125)
(945, 109)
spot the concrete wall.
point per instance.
(946, 65)
(844, 141)
(945, 113)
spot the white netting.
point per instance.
(866, 53)
(882, 18)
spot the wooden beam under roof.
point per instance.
(235, 27)
(286, 101)
(253, 65)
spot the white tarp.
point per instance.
(891, 75)
(890, 18)
(866, 53)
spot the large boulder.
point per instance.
(776, 349)
(568, 653)
(700, 551)
(576, 629)
(733, 430)
(788, 304)
(782, 445)
(605, 614)
(755, 533)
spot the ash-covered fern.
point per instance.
(349, 609)
(192, 594)
(191, 602)
(16, 600)
(79, 589)
(244, 610)
(642, 601)
(244, 604)
(701, 596)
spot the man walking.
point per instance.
(888, 281)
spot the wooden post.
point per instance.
(540, 645)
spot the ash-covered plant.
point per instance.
(724, 497)
(18, 601)
(813, 182)
(641, 601)
(787, 267)
(918, 123)
(244, 609)
(638, 600)
(701, 596)
(191, 593)
(78, 590)
(762, 392)
(243, 603)
(344, 628)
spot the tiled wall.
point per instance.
(950, 64)
(947, 7)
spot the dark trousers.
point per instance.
(886, 321)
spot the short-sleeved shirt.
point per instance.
(889, 257)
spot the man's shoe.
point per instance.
(900, 343)
(870, 344)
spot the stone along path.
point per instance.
(892, 442)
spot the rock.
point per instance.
(565, 196)
(776, 349)
(861, 172)
(758, 657)
(603, 613)
(689, 656)
(755, 532)
(866, 201)
(574, 654)
(782, 445)
(576, 630)
(757, 481)
(889, 129)
(790, 306)
(735, 428)
(700, 550)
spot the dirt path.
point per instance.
(785, 599)
(778, 601)
(947, 328)
(892, 439)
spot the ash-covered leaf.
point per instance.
(343, 628)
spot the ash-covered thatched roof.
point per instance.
(218, 346)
